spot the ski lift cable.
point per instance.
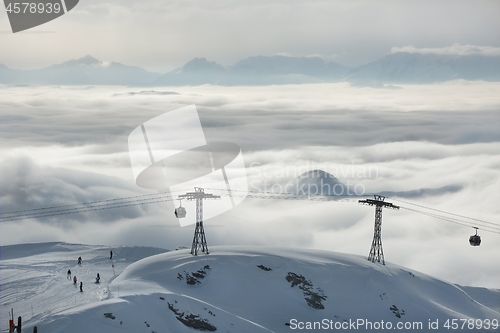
(120, 201)
(484, 225)
(296, 197)
(161, 197)
(287, 195)
(83, 210)
(36, 212)
(495, 228)
(134, 201)
(445, 212)
(444, 218)
(90, 203)
(453, 219)
(266, 195)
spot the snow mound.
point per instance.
(249, 289)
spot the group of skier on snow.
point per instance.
(79, 262)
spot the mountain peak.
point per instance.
(201, 64)
(317, 182)
(85, 61)
(197, 60)
(196, 71)
(317, 173)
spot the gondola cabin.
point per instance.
(180, 212)
(475, 240)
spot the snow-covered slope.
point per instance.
(34, 282)
(249, 289)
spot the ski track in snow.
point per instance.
(35, 285)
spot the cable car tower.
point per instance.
(376, 252)
(199, 240)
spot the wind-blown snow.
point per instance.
(233, 289)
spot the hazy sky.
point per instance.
(162, 35)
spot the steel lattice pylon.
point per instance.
(199, 239)
(376, 251)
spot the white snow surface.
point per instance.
(233, 289)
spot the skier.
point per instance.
(111, 254)
(80, 261)
(98, 278)
(81, 286)
(74, 279)
(69, 274)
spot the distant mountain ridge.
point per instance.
(398, 68)
(403, 67)
(83, 71)
(196, 72)
(258, 70)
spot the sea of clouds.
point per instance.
(65, 145)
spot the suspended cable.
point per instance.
(442, 211)
(83, 210)
(167, 196)
(37, 212)
(460, 222)
(88, 203)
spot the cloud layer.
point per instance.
(65, 145)
(455, 49)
